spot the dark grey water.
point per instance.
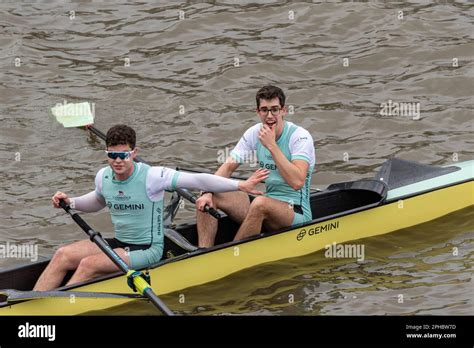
(141, 65)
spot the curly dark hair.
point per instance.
(269, 93)
(121, 134)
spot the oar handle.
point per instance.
(186, 194)
(192, 198)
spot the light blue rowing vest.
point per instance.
(136, 219)
(276, 186)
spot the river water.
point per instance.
(185, 76)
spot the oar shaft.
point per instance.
(19, 295)
(157, 302)
(96, 132)
(140, 284)
(144, 288)
(182, 192)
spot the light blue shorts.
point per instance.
(299, 219)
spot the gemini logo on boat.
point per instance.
(301, 235)
(316, 230)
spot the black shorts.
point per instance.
(298, 209)
(115, 243)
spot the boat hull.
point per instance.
(205, 266)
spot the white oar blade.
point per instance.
(73, 114)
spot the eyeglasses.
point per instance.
(275, 110)
(119, 154)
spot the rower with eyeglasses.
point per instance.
(134, 194)
(287, 151)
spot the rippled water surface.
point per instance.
(176, 82)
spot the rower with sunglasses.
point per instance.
(133, 193)
(283, 148)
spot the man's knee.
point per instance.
(87, 266)
(217, 199)
(259, 205)
(62, 256)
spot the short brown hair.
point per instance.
(121, 134)
(269, 93)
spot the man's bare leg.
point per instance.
(65, 259)
(273, 213)
(97, 265)
(234, 204)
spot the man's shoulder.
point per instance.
(297, 127)
(253, 129)
(100, 176)
(250, 136)
(156, 170)
(159, 171)
(101, 171)
(299, 131)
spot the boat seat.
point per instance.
(345, 196)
